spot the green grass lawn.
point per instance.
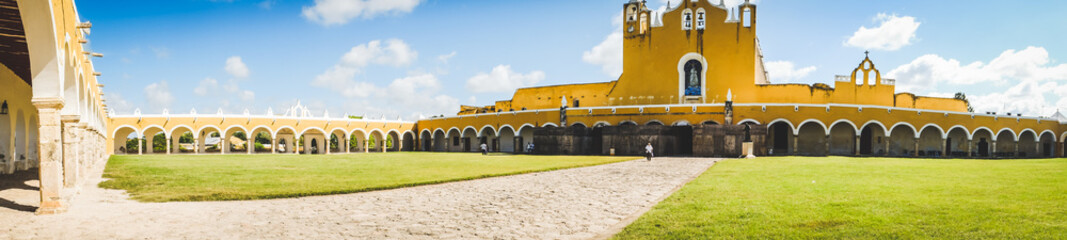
(161, 178)
(865, 198)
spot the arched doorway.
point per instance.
(780, 138)
(842, 139)
(811, 139)
(902, 141)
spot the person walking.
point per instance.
(648, 151)
(485, 149)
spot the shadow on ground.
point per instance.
(17, 181)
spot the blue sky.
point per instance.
(405, 58)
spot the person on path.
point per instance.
(485, 149)
(530, 148)
(648, 151)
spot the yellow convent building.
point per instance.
(695, 72)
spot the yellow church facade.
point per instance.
(687, 65)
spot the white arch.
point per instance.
(627, 121)
(915, 131)
(1047, 132)
(969, 136)
(854, 128)
(161, 129)
(380, 133)
(876, 122)
(209, 126)
(1015, 137)
(447, 133)
(786, 121)
(549, 124)
(433, 135)
(363, 131)
(1036, 137)
(602, 123)
(682, 122)
(345, 132)
(582, 123)
(940, 131)
(703, 74)
(654, 121)
(312, 128)
(481, 132)
(502, 129)
(392, 131)
(195, 134)
(426, 130)
(1063, 138)
(405, 133)
(748, 120)
(243, 129)
(464, 132)
(796, 131)
(524, 126)
(113, 133)
(990, 131)
(279, 130)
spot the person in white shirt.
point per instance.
(485, 149)
(648, 151)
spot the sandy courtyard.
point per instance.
(579, 203)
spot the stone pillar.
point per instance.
(970, 147)
(71, 138)
(887, 139)
(993, 149)
(792, 151)
(944, 148)
(856, 144)
(140, 146)
(366, 146)
(51, 155)
(382, 146)
(327, 145)
(348, 145)
(1016, 153)
(292, 142)
(168, 147)
(196, 146)
(827, 143)
(915, 152)
(250, 145)
(273, 145)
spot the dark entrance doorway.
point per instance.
(781, 133)
(597, 135)
(467, 144)
(684, 137)
(948, 147)
(983, 148)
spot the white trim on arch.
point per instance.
(682, 122)
(627, 121)
(1015, 137)
(279, 130)
(1063, 137)
(448, 134)
(209, 126)
(885, 131)
(1036, 137)
(464, 132)
(330, 134)
(786, 121)
(195, 134)
(914, 131)
(582, 123)
(549, 124)
(850, 123)
(426, 130)
(243, 129)
(524, 126)
(380, 133)
(361, 130)
(113, 133)
(748, 120)
(313, 128)
(502, 129)
(1047, 132)
(481, 132)
(433, 134)
(993, 135)
(940, 131)
(405, 133)
(703, 76)
(602, 124)
(796, 131)
(654, 121)
(969, 136)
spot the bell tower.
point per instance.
(636, 19)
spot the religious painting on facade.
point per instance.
(692, 72)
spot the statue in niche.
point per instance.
(692, 78)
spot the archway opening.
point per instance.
(470, 138)
(983, 143)
(1047, 145)
(1028, 145)
(453, 141)
(440, 141)
(126, 141)
(492, 143)
(210, 140)
(1005, 146)
(872, 140)
(811, 140)
(508, 141)
(357, 141)
(930, 142)
(957, 144)
(780, 139)
(842, 140)
(902, 141)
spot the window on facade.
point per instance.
(576, 103)
(644, 23)
(693, 70)
(700, 19)
(687, 21)
(746, 17)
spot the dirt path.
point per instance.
(567, 204)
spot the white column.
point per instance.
(50, 137)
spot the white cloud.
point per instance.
(158, 95)
(393, 52)
(786, 71)
(417, 94)
(161, 52)
(1028, 98)
(117, 103)
(267, 4)
(335, 12)
(607, 54)
(892, 33)
(247, 96)
(207, 85)
(927, 71)
(444, 58)
(502, 79)
(236, 67)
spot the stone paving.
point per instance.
(579, 203)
